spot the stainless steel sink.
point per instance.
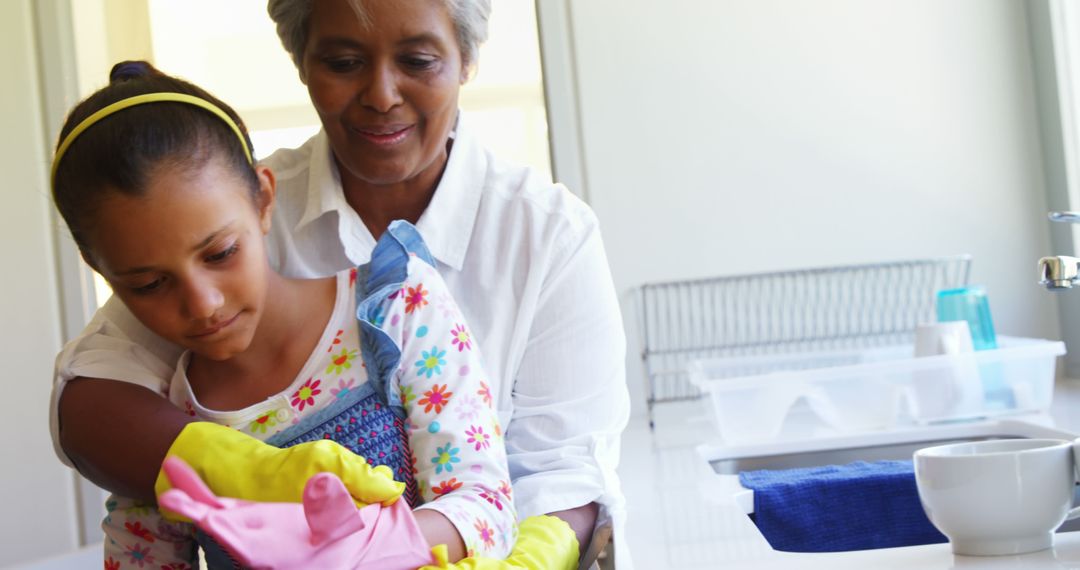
(887, 452)
(729, 461)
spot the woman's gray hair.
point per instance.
(470, 19)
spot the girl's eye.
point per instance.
(222, 256)
(149, 287)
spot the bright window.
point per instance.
(236, 55)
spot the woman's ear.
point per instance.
(265, 200)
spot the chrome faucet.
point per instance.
(1060, 271)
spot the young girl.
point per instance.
(156, 181)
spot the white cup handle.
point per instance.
(1075, 512)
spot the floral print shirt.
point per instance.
(457, 447)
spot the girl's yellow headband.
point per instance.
(139, 100)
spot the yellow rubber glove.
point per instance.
(239, 466)
(544, 543)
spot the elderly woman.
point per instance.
(523, 258)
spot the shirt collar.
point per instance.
(324, 192)
(447, 223)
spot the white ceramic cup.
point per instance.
(949, 337)
(999, 496)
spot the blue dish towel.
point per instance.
(858, 506)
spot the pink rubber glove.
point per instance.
(326, 531)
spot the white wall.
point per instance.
(36, 491)
(733, 136)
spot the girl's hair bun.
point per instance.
(126, 70)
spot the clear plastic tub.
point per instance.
(872, 389)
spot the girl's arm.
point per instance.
(232, 464)
(437, 529)
(454, 433)
(117, 433)
(110, 418)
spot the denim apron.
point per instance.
(369, 419)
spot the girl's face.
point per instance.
(387, 94)
(187, 257)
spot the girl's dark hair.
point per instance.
(120, 152)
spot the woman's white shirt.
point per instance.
(523, 258)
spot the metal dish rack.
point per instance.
(824, 308)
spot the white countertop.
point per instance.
(680, 518)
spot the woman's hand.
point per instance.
(581, 519)
(544, 543)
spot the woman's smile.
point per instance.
(388, 135)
